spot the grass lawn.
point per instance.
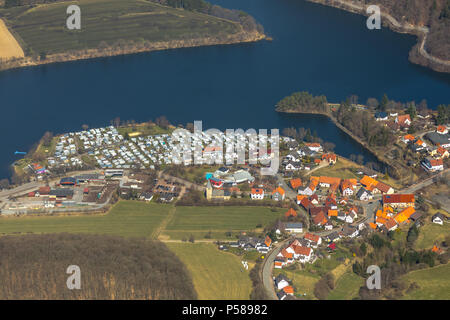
(216, 275)
(342, 169)
(219, 220)
(434, 283)
(431, 233)
(346, 287)
(43, 28)
(126, 218)
(303, 282)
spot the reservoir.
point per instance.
(315, 48)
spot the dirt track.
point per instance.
(9, 47)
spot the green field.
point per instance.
(303, 282)
(341, 169)
(43, 28)
(430, 234)
(216, 274)
(126, 218)
(200, 220)
(346, 287)
(139, 219)
(434, 283)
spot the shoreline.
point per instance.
(346, 131)
(418, 54)
(237, 38)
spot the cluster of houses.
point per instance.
(393, 120)
(330, 198)
(262, 245)
(433, 156)
(304, 157)
(397, 209)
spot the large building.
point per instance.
(398, 200)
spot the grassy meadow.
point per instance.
(216, 275)
(199, 221)
(126, 218)
(434, 283)
(43, 28)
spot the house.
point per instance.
(384, 188)
(408, 138)
(306, 204)
(398, 200)
(278, 194)
(257, 194)
(404, 215)
(364, 195)
(68, 181)
(146, 196)
(350, 217)
(391, 225)
(281, 281)
(300, 198)
(301, 253)
(438, 139)
(319, 219)
(381, 116)
(288, 290)
(432, 165)
(341, 215)
(328, 226)
(442, 153)
(416, 216)
(290, 213)
(316, 147)
(314, 240)
(333, 237)
(216, 193)
(294, 227)
(295, 183)
(438, 218)
(404, 120)
(441, 130)
(314, 199)
(281, 294)
(349, 231)
(348, 186)
(331, 158)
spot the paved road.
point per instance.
(424, 183)
(267, 267)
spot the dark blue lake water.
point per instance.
(315, 48)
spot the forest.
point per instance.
(34, 267)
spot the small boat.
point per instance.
(20, 152)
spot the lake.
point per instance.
(315, 48)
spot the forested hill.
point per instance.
(434, 14)
(34, 267)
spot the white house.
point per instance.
(281, 281)
(364, 195)
(257, 194)
(294, 227)
(438, 218)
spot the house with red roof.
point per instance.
(257, 194)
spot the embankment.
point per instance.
(418, 53)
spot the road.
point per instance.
(266, 273)
(424, 183)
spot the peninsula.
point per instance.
(115, 27)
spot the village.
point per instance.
(327, 197)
